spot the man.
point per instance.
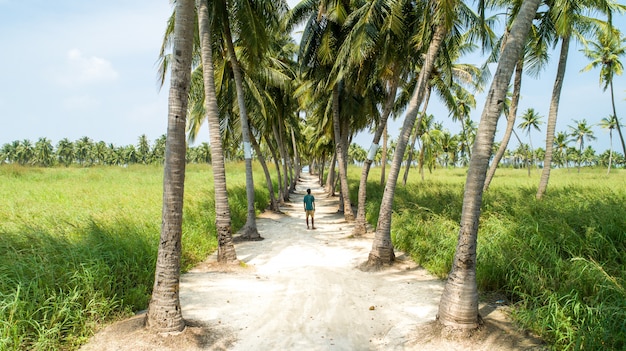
(309, 208)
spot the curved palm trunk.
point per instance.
(619, 129)
(458, 307)
(226, 248)
(382, 247)
(279, 175)
(249, 231)
(164, 313)
(360, 225)
(298, 166)
(414, 140)
(383, 159)
(552, 115)
(330, 179)
(348, 215)
(284, 190)
(610, 151)
(268, 178)
(510, 122)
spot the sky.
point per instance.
(75, 68)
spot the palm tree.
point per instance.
(609, 123)
(226, 249)
(530, 120)
(65, 152)
(568, 21)
(579, 133)
(560, 143)
(164, 312)
(459, 302)
(43, 152)
(606, 54)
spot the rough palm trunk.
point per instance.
(298, 166)
(330, 179)
(283, 155)
(510, 122)
(268, 178)
(382, 247)
(619, 129)
(552, 115)
(414, 139)
(383, 159)
(348, 215)
(164, 314)
(360, 224)
(226, 248)
(249, 230)
(458, 307)
(279, 175)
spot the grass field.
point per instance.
(560, 261)
(79, 245)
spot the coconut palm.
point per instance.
(530, 120)
(65, 152)
(609, 123)
(164, 311)
(444, 17)
(226, 249)
(459, 302)
(569, 21)
(606, 54)
(579, 133)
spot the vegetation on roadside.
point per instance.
(79, 245)
(560, 260)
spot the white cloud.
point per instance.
(80, 102)
(85, 70)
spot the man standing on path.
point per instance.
(309, 208)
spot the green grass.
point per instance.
(559, 260)
(79, 245)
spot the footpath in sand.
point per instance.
(300, 289)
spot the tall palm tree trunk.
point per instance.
(283, 156)
(458, 307)
(330, 179)
(619, 129)
(298, 166)
(164, 313)
(510, 122)
(249, 231)
(383, 159)
(360, 225)
(348, 215)
(226, 248)
(414, 140)
(281, 200)
(268, 178)
(382, 247)
(552, 115)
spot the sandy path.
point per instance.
(301, 290)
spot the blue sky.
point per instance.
(74, 68)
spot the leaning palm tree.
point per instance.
(569, 22)
(164, 312)
(459, 302)
(609, 123)
(530, 120)
(606, 54)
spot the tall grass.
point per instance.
(559, 260)
(79, 245)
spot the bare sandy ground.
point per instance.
(301, 289)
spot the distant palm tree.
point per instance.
(530, 120)
(579, 133)
(606, 53)
(609, 123)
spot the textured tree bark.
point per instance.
(164, 314)
(458, 307)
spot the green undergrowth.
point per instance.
(559, 260)
(79, 245)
